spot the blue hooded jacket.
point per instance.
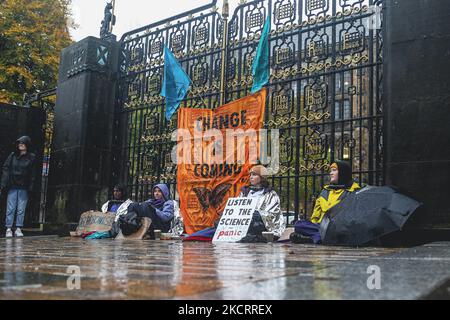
(164, 210)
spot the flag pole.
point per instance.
(225, 14)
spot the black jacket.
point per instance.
(19, 170)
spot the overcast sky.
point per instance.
(131, 14)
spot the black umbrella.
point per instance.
(366, 215)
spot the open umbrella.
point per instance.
(366, 215)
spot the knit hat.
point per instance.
(263, 173)
(260, 171)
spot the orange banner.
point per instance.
(215, 151)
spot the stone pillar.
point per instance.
(417, 104)
(80, 163)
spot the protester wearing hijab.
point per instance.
(341, 184)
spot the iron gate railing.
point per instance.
(324, 91)
(46, 101)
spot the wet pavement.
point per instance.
(39, 268)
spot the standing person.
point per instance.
(341, 184)
(18, 176)
(267, 216)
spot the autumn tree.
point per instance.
(32, 35)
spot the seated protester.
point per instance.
(341, 184)
(267, 216)
(119, 204)
(160, 209)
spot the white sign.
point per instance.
(235, 220)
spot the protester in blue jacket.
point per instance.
(160, 209)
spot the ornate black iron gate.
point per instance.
(46, 102)
(35, 119)
(324, 91)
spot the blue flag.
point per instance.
(175, 85)
(260, 67)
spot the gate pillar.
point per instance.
(417, 104)
(80, 164)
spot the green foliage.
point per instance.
(32, 35)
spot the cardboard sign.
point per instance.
(235, 220)
(94, 221)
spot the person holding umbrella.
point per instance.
(341, 185)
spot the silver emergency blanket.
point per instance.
(122, 210)
(177, 225)
(269, 208)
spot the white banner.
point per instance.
(235, 220)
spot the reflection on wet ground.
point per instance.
(37, 268)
